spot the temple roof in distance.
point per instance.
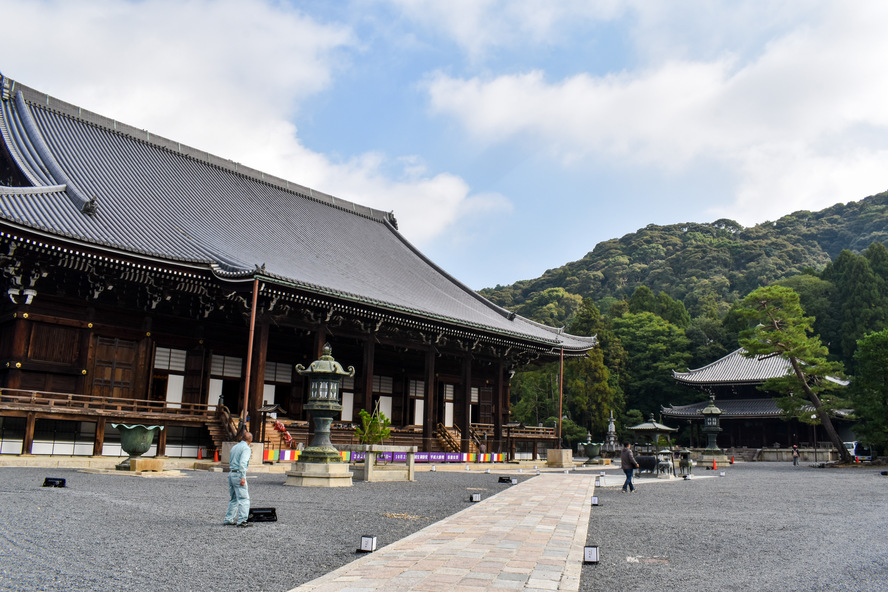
(730, 409)
(100, 183)
(765, 407)
(736, 368)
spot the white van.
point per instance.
(859, 451)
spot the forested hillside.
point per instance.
(702, 265)
(666, 298)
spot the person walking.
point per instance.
(238, 460)
(795, 455)
(628, 464)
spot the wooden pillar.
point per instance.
(161, 443)
(466, 423)
(429, 420)
(320, 340)
(20, 338)
(99, 441)
(257, 377)
(28, 442)
(367, 375)
(498, 408)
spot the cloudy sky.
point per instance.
(508, 137)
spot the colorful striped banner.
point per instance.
(288, 455)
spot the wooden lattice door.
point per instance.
(114, 369)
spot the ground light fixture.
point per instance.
(262, 515)
(368, 543)
(590, 554)
(475, 497)
(594, 500)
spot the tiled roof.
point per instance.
(731, 409)
(736, 368)
(652, 426)
(100, 182)
(740, 408)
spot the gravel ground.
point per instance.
(763, 526)
(119, 532)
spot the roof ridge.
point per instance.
(41, 190)
(46, 101)
(710, 364)
(506, 313)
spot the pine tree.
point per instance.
(780, 328)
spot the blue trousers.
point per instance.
(628, 482)
(239, 506)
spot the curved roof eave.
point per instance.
(57, 145)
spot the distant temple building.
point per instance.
(145, 281)
(750, 417)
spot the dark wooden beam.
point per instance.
(466, 419)
(430, 411)
(28, 441)
(99, 441)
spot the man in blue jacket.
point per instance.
(239, 458)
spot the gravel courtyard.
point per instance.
(762, 526)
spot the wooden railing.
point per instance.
(450, 443)
(223, 417)
(98, 405)
(515, 431)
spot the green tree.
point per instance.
(869, 389)
(674, 311)
(553, 306)
(601, 373)
(654, 348)
(571, 433)
(818, 298)
(859, 305)
(589, 395)
(534, 394)
(779, 327)
(374, 428)
(707, 339)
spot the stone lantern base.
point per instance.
(305, 474)
(705, 457)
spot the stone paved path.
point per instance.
(529, 537)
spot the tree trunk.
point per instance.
(824, 417)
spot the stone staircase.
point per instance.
(450, 438)
(219, 432)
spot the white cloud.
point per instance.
(225, 76)
(482, 26)
(800, 119)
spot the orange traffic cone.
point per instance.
(732, 459)
(713, 465)
(216, 457)
(199, 455)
